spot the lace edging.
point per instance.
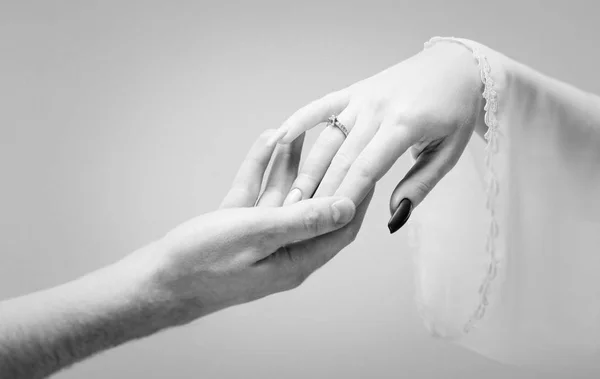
(491, 136)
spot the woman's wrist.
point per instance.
(460, 59)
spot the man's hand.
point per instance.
(243, 252)
(249, 249)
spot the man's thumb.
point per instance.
(310, 218)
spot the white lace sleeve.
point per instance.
(491, 136)
(506, 259)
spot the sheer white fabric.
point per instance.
(508, 252)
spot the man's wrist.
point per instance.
(157, 292)
(46, 331)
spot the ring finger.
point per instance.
(319, 158)
(365, 128)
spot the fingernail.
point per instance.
(400, 216)
(293, 197)
(278, 135)
(343, 211)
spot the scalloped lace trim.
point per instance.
(491, 136)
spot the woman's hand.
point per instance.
(253, 246)
(430, 101)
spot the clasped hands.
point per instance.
(262, 243)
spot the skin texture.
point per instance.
(429, 103)
(252, 247)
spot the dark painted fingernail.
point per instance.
(400, 216)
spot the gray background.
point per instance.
(120, 119)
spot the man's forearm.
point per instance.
(52, 329)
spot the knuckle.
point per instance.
(266, 231)
(400, 130)
(374, 103)
(314, 105)
(362, 99)
(342, 161)
(326, 99)
(236, 195)
(312, 221)
(306, 177)
(285, 156)
(363, 169)
(415, 151)
(422, 187)
(264, 240)
(331, 97)
(401, 113)
(265, 135)
(239, 190)
(284, 150)
(407, 123)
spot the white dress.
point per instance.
(507, 249)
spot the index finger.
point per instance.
(283, 172)
(246, 185)
(311, 115)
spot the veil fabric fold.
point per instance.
(508, 244)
